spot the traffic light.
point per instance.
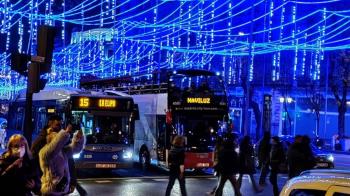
(46, 38)
(19, 62)
(35, 83)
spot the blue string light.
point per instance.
(113, 38)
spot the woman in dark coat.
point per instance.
(17, 174)
(246, 162)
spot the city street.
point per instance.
(156, 185)
(134, 182)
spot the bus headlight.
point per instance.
(127, 154)
(330, 158)
(76, 156)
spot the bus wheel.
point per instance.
(144, 159)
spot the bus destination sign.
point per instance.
(89, 103)
(198, 100)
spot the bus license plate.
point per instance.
(202, 155)
(100, 165)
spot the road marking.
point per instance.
(160, 180)
(144, 177)
(103, 181)
(134, 180)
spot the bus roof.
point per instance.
(194, 72)
(49, 93)
(52, 93)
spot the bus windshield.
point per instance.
(199, 84)
(200, 132)
(100, 129)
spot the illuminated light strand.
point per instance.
(326, 40)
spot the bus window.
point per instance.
(104, 129)
(161, 131)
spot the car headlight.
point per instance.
(76, 156)
(127, 154)
(330, 158)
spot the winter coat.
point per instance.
(217, 150)
(176, 158)
(54, 163)
(300, 158)
(246, 159)
(227, 162)
(14, 180)
(277, 157)
(264, 150)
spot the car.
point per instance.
(323, 159)
(319, 182)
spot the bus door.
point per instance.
(162, 142)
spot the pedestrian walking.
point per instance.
(310, 160)
(264, 157)
(218, 147)
(227, 167)
(17, 176)
(176, 160)
(54, 160)
(277, 157)
(296, 157)
(246, 163)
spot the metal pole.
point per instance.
(28, 124)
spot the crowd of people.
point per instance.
(273, 157)
(45, 169)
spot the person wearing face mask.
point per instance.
(17, 176)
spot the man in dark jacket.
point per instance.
(277, 157)
(176, 160)
(227, 167)
(296, 157)
(264, 156)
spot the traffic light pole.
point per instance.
(32, 85)
(28, 123)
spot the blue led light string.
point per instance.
(93, 22)
(210, 22)
(245, 23)
(317, 2)
(207, 10)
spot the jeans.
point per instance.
(222, 181)
(172, 178)
(264, 171)
(273, 180)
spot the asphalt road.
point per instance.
(156, 186)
